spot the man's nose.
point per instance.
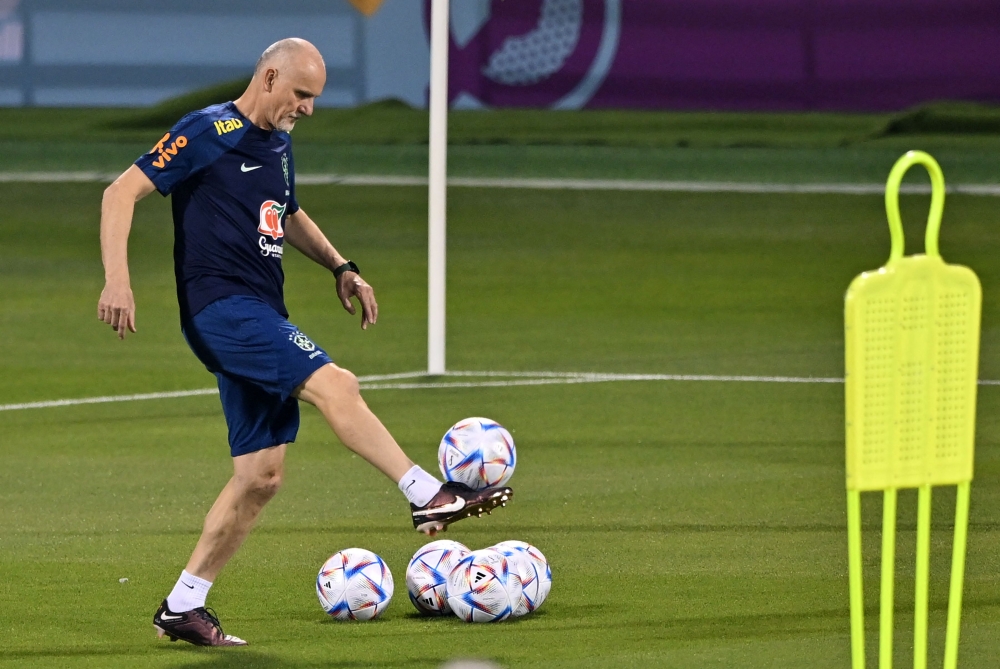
(306, 108)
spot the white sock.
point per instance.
(189, 593)
(418, 486)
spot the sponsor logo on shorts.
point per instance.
(302, 341)
(166, 152)
(225, 125)
(271, 214)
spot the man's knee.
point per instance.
(264, 484)
(346, 382)
(331, 384)
(260, 474)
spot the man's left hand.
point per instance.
(351, 285)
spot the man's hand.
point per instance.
(303, 233)
(351, 285)
(117, 308)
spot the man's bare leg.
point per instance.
(256, 479)
(334, 391)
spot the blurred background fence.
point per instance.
(860, 55)
(129, 53)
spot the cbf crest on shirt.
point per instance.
(232, 186)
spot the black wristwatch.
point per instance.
(348, 266)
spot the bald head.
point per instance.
(288, 78)
(289, 51)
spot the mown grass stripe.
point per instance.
(992, 190)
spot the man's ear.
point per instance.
(269, 76)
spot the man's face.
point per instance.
(295, 85)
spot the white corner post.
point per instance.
(437, 187)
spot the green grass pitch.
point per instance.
(688, 524)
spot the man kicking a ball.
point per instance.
(229, 168)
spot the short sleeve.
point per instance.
(190, 146)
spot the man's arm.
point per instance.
(302, 233)
(117, 306)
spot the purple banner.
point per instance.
(723, 54)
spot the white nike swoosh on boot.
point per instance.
(457, 505)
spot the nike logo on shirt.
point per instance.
(244, 168)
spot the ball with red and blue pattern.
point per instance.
(484, 587)
(354, 584)
(536, 574)
(478, 452)
(427, 575)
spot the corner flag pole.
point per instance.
(437, 187)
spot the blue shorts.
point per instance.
(259, 359)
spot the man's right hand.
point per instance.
(117, 308)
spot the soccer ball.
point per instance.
(484, 587)
(478, 452)
(354, 584)
(536, 575)
(427, 575)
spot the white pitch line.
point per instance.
(359, 180)
(605, 376)
(108, 398)
(992, 190)
(58, 177)
(390, 377)
(170, 394)
(374, 382)
(592, 378)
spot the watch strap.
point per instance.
(348, 266)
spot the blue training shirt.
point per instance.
(233, 184)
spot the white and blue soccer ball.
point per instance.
(478, 452)
(535, 572)
(484, 587)
(427, 575)
(354, 584)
